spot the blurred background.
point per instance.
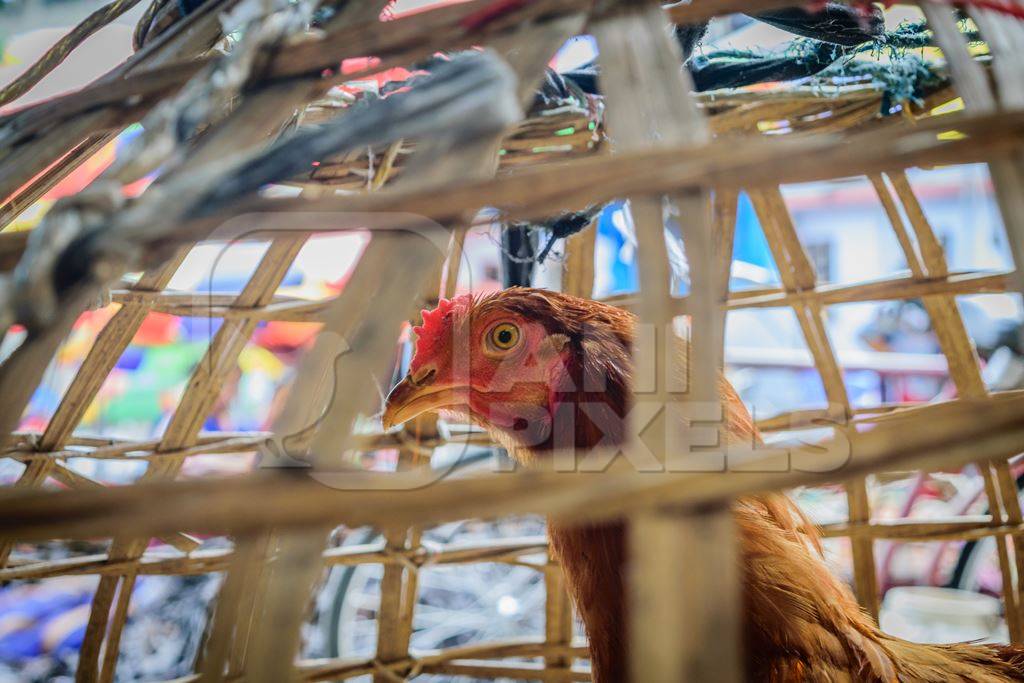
(889, 353)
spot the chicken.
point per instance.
(529, 366)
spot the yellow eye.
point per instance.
(504, 336)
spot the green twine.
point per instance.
(905, 77)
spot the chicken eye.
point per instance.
(504, 336)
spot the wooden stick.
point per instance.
(541, 192)
(899, 287)
(277, 633)
(391, 645)
(247, 560)
(648, 100)
(558, 620)
(798, 274)
(958, 432)
(578, 275)
(183, 428)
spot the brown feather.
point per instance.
(801, 623)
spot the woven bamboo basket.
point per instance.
(709, 147)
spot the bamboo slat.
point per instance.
(181, 432)
(511, 551)
(578, 277)
(285, 601)
(558, 619)
(548, 190)
(959, 434)
(925, 258)
(899, 287)
(444, 662)
(236, 594)
(391, 645)
(798, 275)
(648, 100)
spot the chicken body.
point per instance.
(542, 370)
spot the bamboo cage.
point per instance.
(646, 139)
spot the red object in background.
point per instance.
(356, 65)
(92, 321)
(83, 175)
(278, 335)
(157, 329)
(77, 180)
(87, 171)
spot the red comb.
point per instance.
(432, 319)
(431, 333)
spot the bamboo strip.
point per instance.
(508, 551)
(245, 561)
(301, 310)
(946, 319)
(648, 100)
(724, 231)
(1007, 175)
(1010, 592)
(965, 528)
(138, 450)
(544, 191)
(182, 431)
(250, 609)
(410, 595)
(318, 670)
(496, 670)
(958, 432)
(73, 479)
(20, 165)
(977, 94)
(958, 529)
(32, 477)
(798, 274)
(928, 259)
(1011, 508)
(971, 81)
(578, 276)
(285, 601)
(110, 652)
(104, 354)
(816, 418)
(558, 619)
(152, 563)
(578, 280)
(453, 264)
(390, 645)
(1004, 37)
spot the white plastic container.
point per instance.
(925, 614)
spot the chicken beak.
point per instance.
(409, 399)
